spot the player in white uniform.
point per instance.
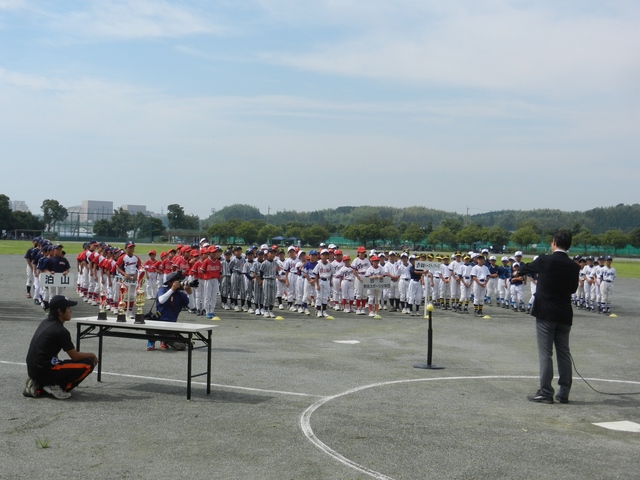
(323, 273)
(607, 277)
(533, 285)
(281, 279)
(463, 273)
(589, 285)
(291, 276)
(454, 283)
(375, 271)
(347, 275)
(597, 272)
(336, 293)
(391, 268)
(360, 264)
(403, 282)
(128, 266)
(480, 277)
(445, 279)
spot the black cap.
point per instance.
(60, 302)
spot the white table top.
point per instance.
(147, 325)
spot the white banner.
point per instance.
(56, 280)
(422, 266)
(384, 282)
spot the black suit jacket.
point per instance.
(557, 280)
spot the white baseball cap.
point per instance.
(517, 254)
(492, 257)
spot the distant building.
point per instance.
(18, 206)
(133, 209)
(93, 210)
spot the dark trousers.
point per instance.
(68, 373)
(550, 334)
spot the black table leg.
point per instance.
(190, 347)
(209, 363)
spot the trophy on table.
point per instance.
(102, 314)
(122, 304)
(140, 297)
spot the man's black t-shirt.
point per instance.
(49, 339)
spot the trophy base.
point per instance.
(102, 315)
(121, 317)
(139, 318)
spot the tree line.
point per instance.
(367, 225)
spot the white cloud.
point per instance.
(132, 19)
(485, 45)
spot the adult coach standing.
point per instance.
(557, 280)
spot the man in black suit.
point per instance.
(557, 280)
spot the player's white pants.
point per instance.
(346, 290)
(211, 288)
(445, 290)
(415, 292)
(479, 292)
(503, 291)
(517, 295)
(394, 291)
(358, 289)
(280, 286)
(309, 291)
(455, 288)
(465, 292)
(533, 287)
(403, 288)
(606, 292)
(152, 284)
(492, 289)
(29, 272)
(336, 293)
(323, 292)
(291, 289)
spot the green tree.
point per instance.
(26, 221)
(248, 232)
(315, 235)
(152, 227)
(469, 235)
(226, 232)
(442, 236)
(176, 216)
(634, 237)
(103, 228)
(121, 222)
(266, 233)
(413, 233)
(452, 224)
(616, 239)
(497, 236)
(6, 219)
(52, 213)
(525, 236)
(583, 238)
(191, 222)
(389, 234)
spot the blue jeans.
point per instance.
(548, 335)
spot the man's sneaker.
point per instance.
(325, 313)
(28, 295)
(372, 313)
(540, 397)
(151, 346)
(307, 312)
(56, 391)
(281, 307)
(163, 345)
(319, 313)
(347, 309)
(257, 312)
(562, 399)
(209, 315)
(251, 311)
(236, 308)
(31, 389)
(36, 302)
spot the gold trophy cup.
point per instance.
(122, 304)
(140, 297)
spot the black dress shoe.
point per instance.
(562, 399)
(540, 397)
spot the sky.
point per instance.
(311, 104)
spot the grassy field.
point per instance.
(625, 268)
